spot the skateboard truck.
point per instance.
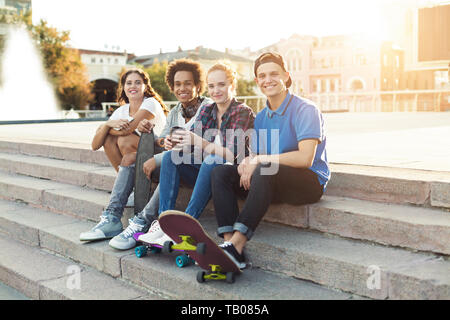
(187, 244)
(141, 251)
(215, 274)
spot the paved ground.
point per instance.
(8, 293)
(408, 140)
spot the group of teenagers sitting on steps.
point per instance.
(219, 147)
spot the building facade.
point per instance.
(7, 9)
(422, 29)
(337, 64)
(104, 68)
(426, 39)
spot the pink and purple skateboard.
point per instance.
(181, 261)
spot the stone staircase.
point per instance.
(378, 233)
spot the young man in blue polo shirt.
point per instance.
(289, 162)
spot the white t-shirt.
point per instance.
(218, 140)
(151, 105)
(182, 122)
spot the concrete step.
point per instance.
(331, 261)
(90, 175)
(418, 228)
(407, 219)
(56, 150)
(388, 185)
(70, 199)
(47, 277)
(41, 275)
(391, 185)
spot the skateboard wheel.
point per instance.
(167, 248)
(201, 276)
(201, 248)
(140, 251)
(155, 250)
(182, 261)
(230, 277)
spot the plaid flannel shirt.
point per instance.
(238, 116)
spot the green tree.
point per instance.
(157, 74)
(246, 88)
(62, 64)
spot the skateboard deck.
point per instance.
(142, 185)
(181, 261)
(190, 235)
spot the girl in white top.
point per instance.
(118, 135)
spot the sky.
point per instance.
(148, 26)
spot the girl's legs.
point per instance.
(202, 189)
(128, 144)
(112, 151)
(117, 146)
(110, 224)
(142, 221)
(128, 159)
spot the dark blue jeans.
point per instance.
(195, 175)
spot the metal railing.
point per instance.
(380, 101)
(383, 101)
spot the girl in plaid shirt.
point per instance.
(217, 137)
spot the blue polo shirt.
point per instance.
(281, 130)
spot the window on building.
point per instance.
(93, 60)
(363, 59)
(356, 85)
(333, 62)
(360, 60)
(294, 60)
(323, 85)
(299, 87)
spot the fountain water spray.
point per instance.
(26, 94)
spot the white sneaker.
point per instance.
(153, 233)
(163, 239)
